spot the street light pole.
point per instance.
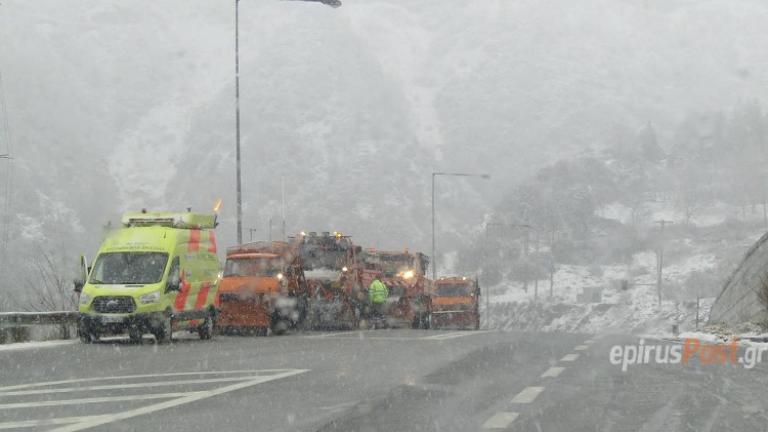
(434, 176)
(237, 125)
(332, 3)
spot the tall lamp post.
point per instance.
(332, 3)
(434, 177)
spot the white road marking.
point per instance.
(46, 422)
(160, 375)
(500, 420)
(93, 400)
(589, 342)
(569, 357)
(453, 335)
(338, 407)
(528, 395)
(127, 386)
(35, 345)
(197, 396)
(553, 372)
(581, 348)
(327, 335)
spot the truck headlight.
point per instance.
(84, 298)
(153, 297)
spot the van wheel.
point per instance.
(206, 330)
(164, 334)
(135, 335)
(86, 337)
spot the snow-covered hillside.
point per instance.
(120, 105)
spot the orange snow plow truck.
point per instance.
(455, 302)
(403, 273)
(334, 279)
(262, 289)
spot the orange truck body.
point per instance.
(403, 273)
(455, 303)
(262, 288)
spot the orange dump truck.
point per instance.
(332, 271)
(403, 273)
(455, 303)
(262, 288)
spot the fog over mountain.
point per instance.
(351, 109)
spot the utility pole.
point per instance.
(660, 256)
(282, 205)
(251, 231)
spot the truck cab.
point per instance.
(455, 303)
(262, 288)
(157, 274)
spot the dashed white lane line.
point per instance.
(93, 400)
(589, 342)
(500, 420)
(109, 418)
(581, 348)
(553, 372)
(528, 395)
(569, 357)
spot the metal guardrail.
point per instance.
(11, 319)
(17, 326)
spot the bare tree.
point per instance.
(48, 286)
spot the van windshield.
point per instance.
(253, 267)
(129, 268)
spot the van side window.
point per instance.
(173, 273)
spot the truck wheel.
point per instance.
(164, 334)
(206, 330)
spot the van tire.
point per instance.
(164, 334)
(86, 337)
(135, 335)
(206, 329)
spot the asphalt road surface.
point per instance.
(386, 380)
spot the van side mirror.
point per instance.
(174, 284)
(78, 285)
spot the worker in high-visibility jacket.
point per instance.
(377, 296)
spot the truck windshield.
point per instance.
(129, 268)
(452, 290)
(252, 267)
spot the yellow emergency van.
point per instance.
(157, 274)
